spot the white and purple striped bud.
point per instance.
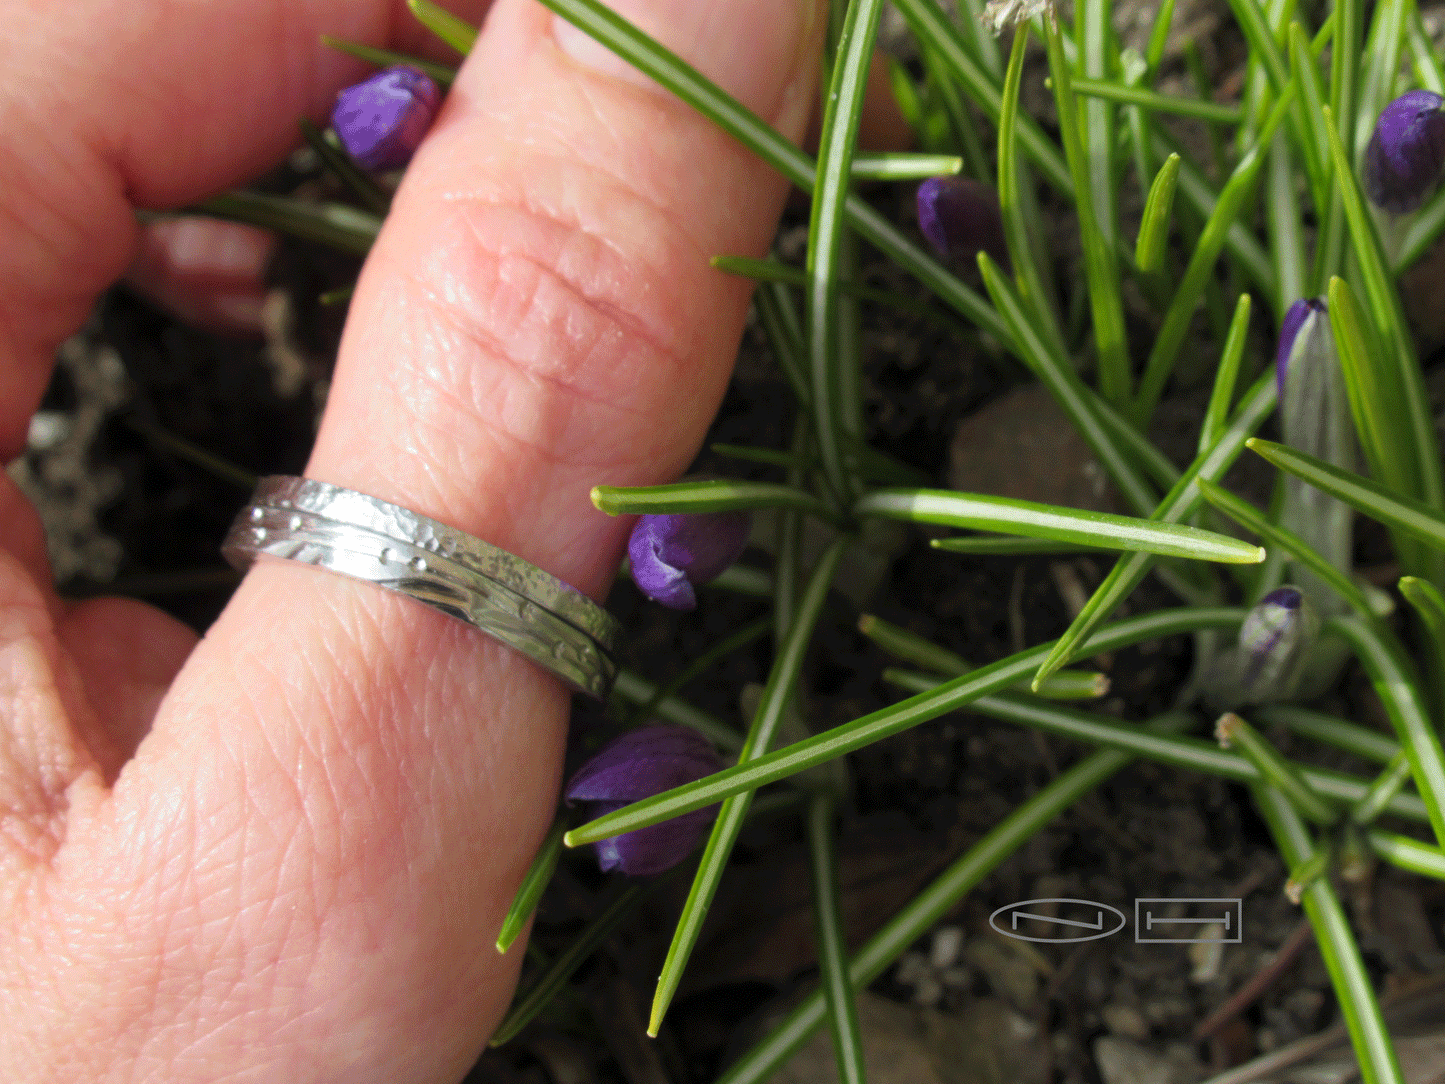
(1274, 640)
(637, 765)
(1315, 418)
(672, 554)
(382, 120)
(1405, 158)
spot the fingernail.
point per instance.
(753, 49)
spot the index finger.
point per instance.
(117, 106)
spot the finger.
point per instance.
(91, 106)
(538, 316)
(204, 271)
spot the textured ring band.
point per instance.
(552, 623)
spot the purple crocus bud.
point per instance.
(1406, 153)
(638, 765)
(1276, 635)
(960, 218)
(381, 121)
(1289, 335)
(672, 554)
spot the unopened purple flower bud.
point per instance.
(1406, 153)
(1289, 335)
(1275, 637)
(960, 218)
(381, 121)
(672, 554)
(638, 765)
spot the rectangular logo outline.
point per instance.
(1237, 910)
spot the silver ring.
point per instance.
(551, 622)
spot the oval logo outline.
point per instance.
(1123, 921)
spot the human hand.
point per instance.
(284, 852)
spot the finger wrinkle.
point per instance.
(536, 268)
(39, 757)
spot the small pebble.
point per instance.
(947, 940)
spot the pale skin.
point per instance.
(283, 852)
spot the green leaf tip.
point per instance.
(457, 33)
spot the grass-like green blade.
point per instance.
(843, 105)
(720, 650)
(1178, 504)
(932, 27)
(832, 951)
(193, 453)
(1232, 203)
(1032, 289)
(1101, 267)
(1055, 372)
(335, 224)
(772, 270)
(983, 512)
(910, 647)
(844, 739)
(1375, 405)
(1418, 432)
(1095, 116)
(337, 296)
(335, 159)
(1408, 854)
(1345, 69)
(1263, 47)
(386, 58)
(784, 330)
(1175, 751)
(1398, 688)
(959, 694)
(1386, 785)
(956, 112)
(979, 40)
(929, 906)
(1006, 546)
(768, 144)
(1425, 597)
(1221, 397)
(744, 580)
(1154, 227)
(776, 696)
(1274, 769)
(1351, 737)
(1158, 38)
(534, 883)
(902, 166)
(1368, 1035)
(1382, 66)
(1312, 99)
(636, 689)
(1422, 53)
(1152, 100)
(1248, 516)
(709, 495)
(1374, 500)
(1198, 194)
(1424, 229)
(457, 33)
(1204, 90)
(550, 984)
(1286, 239)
